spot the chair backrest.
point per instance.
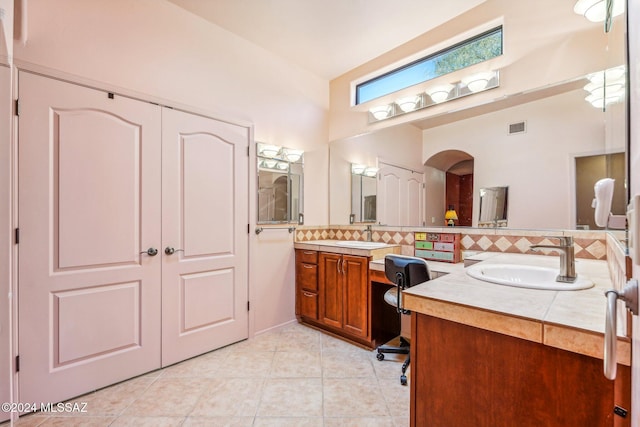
(406, 271)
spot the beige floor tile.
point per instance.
(250, 364)
(31, 420)
(296, 364)
(359, 422)
(353, 397)
(299, 340)
(126, 421)
(229, 397)
(396, 395)
(288, 422)
(402, 421)
(204, 366)
(291, 397)
(218, 422)
(293, 376)
(343, 364)
(168, 397)
(78, 421)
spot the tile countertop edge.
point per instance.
(575, 340)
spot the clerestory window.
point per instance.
(461, 55)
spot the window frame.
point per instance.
(425, 59)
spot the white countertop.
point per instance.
(572, 320)
(335, 247)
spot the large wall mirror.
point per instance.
(280, 175)
(363, 193)
(534, 142)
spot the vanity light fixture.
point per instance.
(267, 150)
(440, 93)
(409, 103)
(269, 163)
(381, 112)
(370, 171)
(357, 169)
(478, 82)
(282, 166)
(596, 10)
(606, 87)
(291, 154)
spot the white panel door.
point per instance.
(204, 234)
(5, 240)
(89, 208)
(400, 196)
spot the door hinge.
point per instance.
(17, 236)
(248, 228)
(248, 305)
(110, 95)
(247, 151)
(17, 363)
(17, 107)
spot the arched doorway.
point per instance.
(456, 170)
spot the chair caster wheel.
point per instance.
(380, 356)
(403, 379)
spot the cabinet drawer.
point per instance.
(309, 257)
(308, 303)
(307, 276)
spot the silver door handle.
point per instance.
(150, 252)
(170, 251)
(630, 296)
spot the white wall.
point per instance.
(538, 166)
(399, 146)
(154, 49)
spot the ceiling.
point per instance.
(327, 37)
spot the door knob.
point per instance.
(170, 251)
(150, 252)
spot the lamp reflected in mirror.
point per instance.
(450, 216)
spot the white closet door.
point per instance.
(400, 196)
(89, 204)
(204, 220)
(6, 241)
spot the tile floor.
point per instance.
(293, 376)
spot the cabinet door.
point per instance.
(356, 292)
(330, 289)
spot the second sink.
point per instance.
(525, 276)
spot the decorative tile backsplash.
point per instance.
(588, 245)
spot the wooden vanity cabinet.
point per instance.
(332, 292)
(469, 377)
(307, 284)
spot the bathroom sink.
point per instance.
(525, 276)
(361, 245)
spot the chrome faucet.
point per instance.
(369, 232)
(567, 257)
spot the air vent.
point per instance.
(520, 127)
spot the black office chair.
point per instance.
(404, 271)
